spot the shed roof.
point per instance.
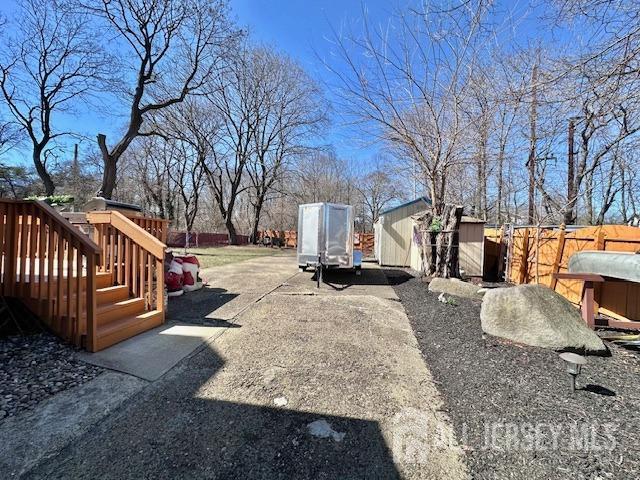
(423, 199)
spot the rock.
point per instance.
(454, 286)
(536, 316)
(322, 429)
(280, 401)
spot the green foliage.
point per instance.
(16, 181)
(53, 199)
(436, 225)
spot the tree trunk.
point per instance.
(533, 117)
(440, 248)
(108, 178)
(569, 216)
(231, 231)
(109, 174)
(500, 179)
(49, 186)
(257, 210)
(447, 243)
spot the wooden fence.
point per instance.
(289, 238)
(536, 254)
(204, 239)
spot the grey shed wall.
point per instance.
(396, 233)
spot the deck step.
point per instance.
(104, 279)
(114, 311)
(127, 327)
(113, 294)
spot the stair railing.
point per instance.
(132, 255)
(51, 267)
(158, 227)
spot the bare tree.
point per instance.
(177, 45)
(409, 85)
(188, 180)
(152, 160)
(231, 101)
(379, 189)
(288, 111)
(51, 63)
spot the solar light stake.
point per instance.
(574, 366)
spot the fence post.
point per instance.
(501, 259)
(556, 262)
(524, 262)
(598, 244)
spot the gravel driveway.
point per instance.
(510, 404)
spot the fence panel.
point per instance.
(536, 254)
(202, 239)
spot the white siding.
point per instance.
(396, 235)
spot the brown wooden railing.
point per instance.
(158, 227)
(51, 267)
(134, 256)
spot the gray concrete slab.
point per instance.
(242, 406)
(256, 276)
(153, 353)
(34, 436)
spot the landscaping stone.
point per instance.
(35, 367)
(536, 315)
(454, 286)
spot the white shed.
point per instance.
(393, 232)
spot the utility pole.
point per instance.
(569, 218)
(531, 163)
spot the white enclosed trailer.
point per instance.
(325, 237)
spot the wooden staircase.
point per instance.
(91, 292)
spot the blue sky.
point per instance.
(302, 29)
(299, 28)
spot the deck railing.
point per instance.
(158, 227)
(50, 266)
(131, 254)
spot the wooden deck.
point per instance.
(92, 292)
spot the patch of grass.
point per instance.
(218, 256)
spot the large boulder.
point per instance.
(454, 286)
(537, 316)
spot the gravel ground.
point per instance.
(35, 367)
(511, 406)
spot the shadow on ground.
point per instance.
(340, 280)
(173, 430)
(199, 307)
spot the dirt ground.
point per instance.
(303, 383)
